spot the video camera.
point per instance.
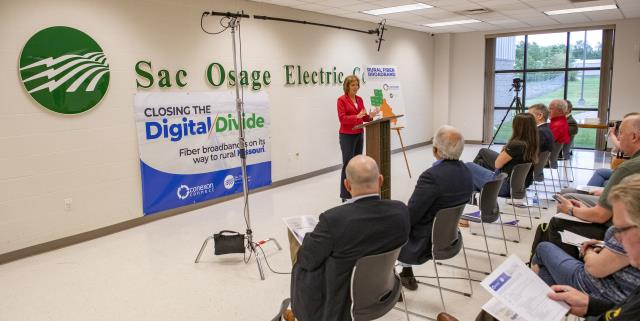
(517, 84)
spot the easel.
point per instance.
(397, 129)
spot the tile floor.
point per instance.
(148, 273)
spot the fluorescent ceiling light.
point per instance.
(583, 9)
(408, 7)
(451, 23)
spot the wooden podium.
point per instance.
(378, 143)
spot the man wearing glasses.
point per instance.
(625, 200)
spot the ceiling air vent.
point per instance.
(472, 12)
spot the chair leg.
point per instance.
(504, 236)
(486, 245)
(526, 199)
(546, 194)
(404, 300)
(466, 263)
(535, 187)
(439, 286)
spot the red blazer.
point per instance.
(560, 129)
(347, 113)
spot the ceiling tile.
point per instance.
(405, 16)
(361, 7)
(604, 15)
(334, 11)
(338, 3)
(392, 3)
(434, 13)
(570, 18)
(632, 13)
(311, 7)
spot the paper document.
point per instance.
(500, 311)
(569, 237)
(301, 225)
(588, 188)
(568, 217)
(520, 290)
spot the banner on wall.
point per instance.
(188, 143)
(381, 89)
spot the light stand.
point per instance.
(251, 246)
(516, 87)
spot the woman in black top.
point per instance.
(522, 147)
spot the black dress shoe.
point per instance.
(408, 280)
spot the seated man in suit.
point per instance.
(446, 184)
(545, 142)
(541, 113)
(364, 225)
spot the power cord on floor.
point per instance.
(267, 261)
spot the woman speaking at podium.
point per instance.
(351, 113)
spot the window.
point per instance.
(561, 65)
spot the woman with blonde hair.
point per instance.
(351, 113)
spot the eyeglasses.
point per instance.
(617, 231)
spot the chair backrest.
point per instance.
(489, 198)
(518, 180)
(446, 240)
(543, 158)
(375, 286)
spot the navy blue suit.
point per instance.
(446, 184)
(545, 138)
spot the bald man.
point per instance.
(364, 225)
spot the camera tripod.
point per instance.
(519, 107)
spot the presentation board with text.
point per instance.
(188, 146)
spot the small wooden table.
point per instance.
(596, 126)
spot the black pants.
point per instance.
(486, 158)
(351, 145)
(549, 233)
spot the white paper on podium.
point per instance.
(301, 225)
(516, 287)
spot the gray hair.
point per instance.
(449, 142)
(559, 103)
(634, 120)
(362, 171)
(628, 193)
(542, 109)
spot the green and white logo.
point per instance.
(64, 70)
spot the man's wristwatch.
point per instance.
(570, 210)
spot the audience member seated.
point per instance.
(545, 138)
(364, 225)
(559, 128)
(625, 199)
(593, 209)
(573, 131)
(522, 147)
(605, 273)
(446, 184)
(601, 175)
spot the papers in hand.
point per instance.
(301, 225)
(519, 294)
(571, 238)
(567, 217)
(588, 188)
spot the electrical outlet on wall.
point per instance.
(67, 204)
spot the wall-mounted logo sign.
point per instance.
(64, 70)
